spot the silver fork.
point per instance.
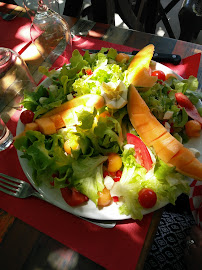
(21, 189)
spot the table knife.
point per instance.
(158, 57)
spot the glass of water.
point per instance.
(6, 137)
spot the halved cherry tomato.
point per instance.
(142, 154)
(73, 197)
(105, 173)
(191, 110)
(89, 72)
(160, 74)
(147, 198)
(27, 117)
(117, 176)
(115, 199)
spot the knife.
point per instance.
(158, 57)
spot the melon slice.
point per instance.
(137, 105)
(192, 169)
(31, 126)
(89, 100)
(161, 142)
(140, 119)
(46, 126)
(58, 121)
(169, 150)
(165, 145)
(151, 134)
(183, 157)
(138, 70)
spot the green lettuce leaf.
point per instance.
(46, 157)
(162, 179)
(88, 176)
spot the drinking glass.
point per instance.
(37, 6)
(51, 35)
(6, 137)
(12, 69)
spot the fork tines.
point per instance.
(11, 186)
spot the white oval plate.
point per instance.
(89, 210)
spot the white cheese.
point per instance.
(167, 126)
(69, 97)
(53, 87)
(168, 115)
(108, 182)
(42, 99)
(128, 146)
(195, 152)
(116, 189)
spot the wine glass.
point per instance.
(51, 35)
(36, 6)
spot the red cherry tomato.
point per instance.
(191, 110)
(105, 173)
(160, 74)
(73, 197)
(89, 72)
(147, 198)
(118, 176)
(142, 154)
(27, 117)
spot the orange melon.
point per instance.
(168, 150)
(165, 145)
(137, 104)
(46, 126)
(31, 126)
(139, 71)
(90, 100)
(152, 134)
(58, 121)
(183, 157)
(193, 169)
(161, 142)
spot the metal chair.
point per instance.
(141, 15)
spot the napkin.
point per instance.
(195, 201)
(117, 248)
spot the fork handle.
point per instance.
(39, 195)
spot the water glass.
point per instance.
(51, 35)
(6, 137)
(12, 69)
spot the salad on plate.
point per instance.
(108, 131)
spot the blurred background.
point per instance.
(160, 29)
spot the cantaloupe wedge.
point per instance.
(137, 104)
(32, 126)
(183, 157)
(149, 136)
(46, 126)
(138, 70)
(192, 169)
(162, 142)
(165, 145)
(167, 150)
(58, 121)
(89, 100)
